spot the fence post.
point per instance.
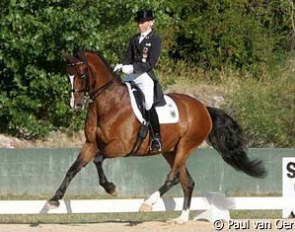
(288, 191)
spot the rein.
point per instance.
(97, 92)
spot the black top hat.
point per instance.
(144, 15)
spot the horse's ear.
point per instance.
(66, 56)
(80, 54)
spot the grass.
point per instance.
(255, 214)
(86, 218)
(121, 217)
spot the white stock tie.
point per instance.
(141, 38)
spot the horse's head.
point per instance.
(89, 76)
(77, 71)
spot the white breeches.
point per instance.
(146, 85)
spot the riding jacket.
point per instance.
(144, 56)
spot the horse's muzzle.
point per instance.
(79, 107)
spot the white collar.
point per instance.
(144, 34)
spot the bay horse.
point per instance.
(111, 131)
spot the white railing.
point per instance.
(211, 206)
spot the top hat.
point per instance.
(143, 16)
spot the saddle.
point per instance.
(167, 113)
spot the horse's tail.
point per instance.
(227, 138)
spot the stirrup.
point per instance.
(156, 145)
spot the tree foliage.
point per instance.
(34, 91)
(240, 33)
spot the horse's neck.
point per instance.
(101, 74)
(110, 99)
(109, 104)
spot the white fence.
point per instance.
(211, 206)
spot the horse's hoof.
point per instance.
(111, 189)
(114, 194)
(145, 208)
(51, 204)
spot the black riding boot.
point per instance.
(156, 144)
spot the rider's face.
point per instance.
(145, 26)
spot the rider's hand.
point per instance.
(127, 69)
(118, 67)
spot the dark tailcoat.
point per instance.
(144, 56)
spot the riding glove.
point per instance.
(127, 69)
(118, 67)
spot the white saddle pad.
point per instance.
(167, 114)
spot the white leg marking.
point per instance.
(183, 218)
(147, 205)
(153, 198)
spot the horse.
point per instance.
(111, 130)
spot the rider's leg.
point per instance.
(154, 120)
(146, 84)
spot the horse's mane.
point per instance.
(97, 53)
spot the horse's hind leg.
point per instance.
(81, 161)
(103, 181)
(187, 184)
(177, 174)
(172, 179)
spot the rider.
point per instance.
(142, 55)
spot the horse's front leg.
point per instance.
(86, 155)
(103, 181)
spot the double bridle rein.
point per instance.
(89, 94)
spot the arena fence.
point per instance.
(38, 172)
(211, 207)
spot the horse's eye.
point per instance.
(83, 75)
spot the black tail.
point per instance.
(227, 138)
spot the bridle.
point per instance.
(89, 93)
